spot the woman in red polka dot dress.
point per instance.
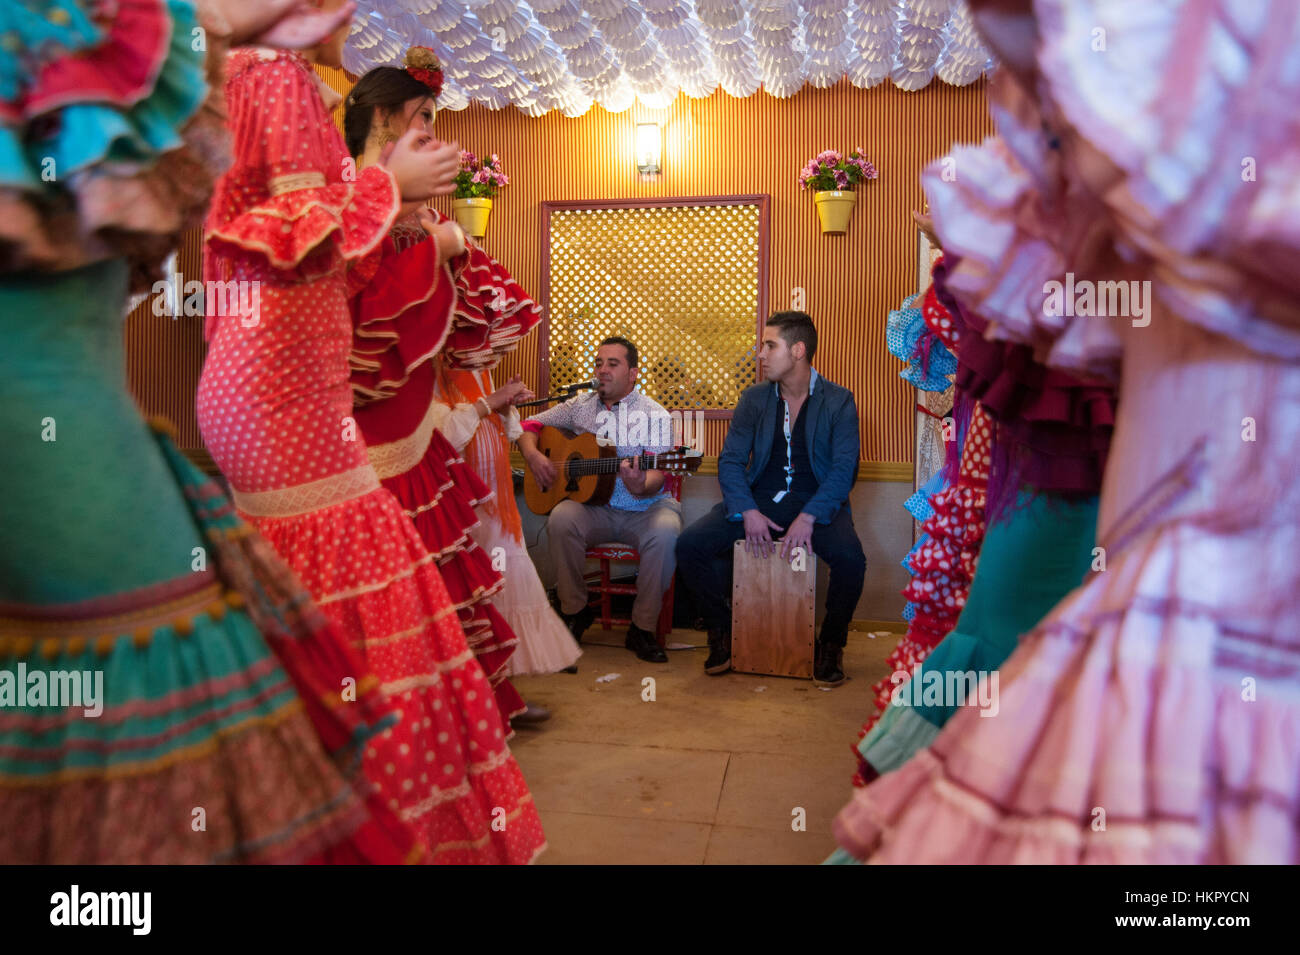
(440, 310)
(275, 407)
(945, 564)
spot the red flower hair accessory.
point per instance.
(422, 63)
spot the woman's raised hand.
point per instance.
(448, 235)
(422, 166)
(287, 24)
(511, 393)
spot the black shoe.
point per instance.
(572, 669)
(579, 622)
(828, 665)
(644, 645)
(719, 660)
(532, 715)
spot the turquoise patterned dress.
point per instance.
(167, 691)
(1052, 536)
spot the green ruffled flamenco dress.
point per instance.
(1030, 560)
(168, 693)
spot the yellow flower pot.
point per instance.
(835, 208)
(472, 215)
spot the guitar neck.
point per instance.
(581, 466)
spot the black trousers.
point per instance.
(704, 564)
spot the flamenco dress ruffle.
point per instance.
(1052, 428)
(943, 561)
(1052, 536)
(493, 312)
(217, 731)
(400, 320)
(1055, 453)
(93, 118)
(943, 565)
(1154, 715)
(402, 314)
(545, 643)
(929, 367)
(918, 505)
(275, 409)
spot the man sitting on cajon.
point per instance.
(789, 462)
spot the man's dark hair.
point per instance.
(632, 361)
(796, 327)
(384, 88)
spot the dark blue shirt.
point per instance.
(803, 483)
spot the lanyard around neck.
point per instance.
(789, 455)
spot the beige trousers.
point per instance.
(574, 527)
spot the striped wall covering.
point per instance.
(165, 355)
(715, 146)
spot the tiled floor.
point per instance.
(711, 770)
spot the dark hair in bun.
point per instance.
(385, 88)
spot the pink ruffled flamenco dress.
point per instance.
(1154, 715)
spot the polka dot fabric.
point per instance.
(275, 409)
(942, 322)
(945, 564)
(401, 306)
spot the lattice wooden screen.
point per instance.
(684, 279)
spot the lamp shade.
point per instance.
(649, 148)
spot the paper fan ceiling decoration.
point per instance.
(567, 54)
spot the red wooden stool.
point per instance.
(600, 589)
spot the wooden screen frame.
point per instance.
(762, 200)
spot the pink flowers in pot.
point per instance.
(830, 170)
(479, 178)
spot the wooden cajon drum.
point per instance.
(773, 614)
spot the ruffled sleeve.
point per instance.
(458, 423)
(492, 311)
(513, 427)
(1205, 187)
(1115, 171)
(400, 318)
(929, 362)
(1013, 225)
(293, 202)
(1053, 428)
(110, 132)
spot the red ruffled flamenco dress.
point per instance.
(404, 308)
(275, 409)
(945, 564)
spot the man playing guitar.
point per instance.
(640, 512)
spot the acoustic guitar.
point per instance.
(585, 470)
